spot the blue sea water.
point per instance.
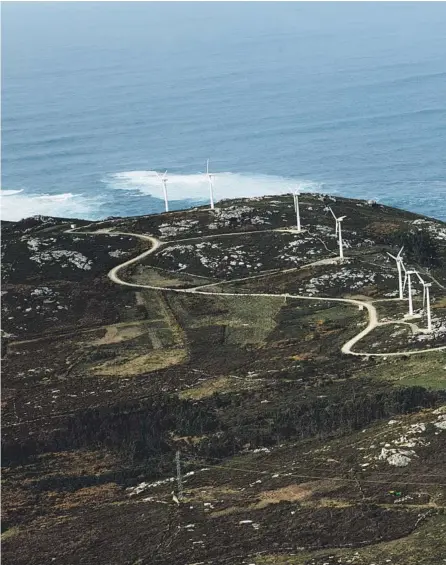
(346, 98)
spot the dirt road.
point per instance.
(346, 348)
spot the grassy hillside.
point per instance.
(224, 344)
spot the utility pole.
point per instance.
(179, 482)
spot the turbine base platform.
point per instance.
(412, 316)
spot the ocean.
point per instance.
(343, 98)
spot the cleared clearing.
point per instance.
(140, 364)
(219, 385)
(117, 333)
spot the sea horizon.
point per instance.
(345, 99)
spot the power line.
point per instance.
(315, 477)
(323, 469)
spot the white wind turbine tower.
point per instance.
(408, 280)
(426, 302)
(163, 179)
(211, 184)
(296, 208)
(339, 232)
(400, 267)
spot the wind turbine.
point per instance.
(426, 302)
(338, 232)
(408, 280)
(163, 179)
(211, 184)
(296, 208)
(399, 266)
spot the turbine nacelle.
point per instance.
(295, 194)
(426, 286)
(426, 300)
(400, 266)
(163, 179)
(338, 222)
(398, 258)
(407, 276)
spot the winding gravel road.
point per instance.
(361, 304)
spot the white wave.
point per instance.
(10, 192)
(15, 205)
(195, 186)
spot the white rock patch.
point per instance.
(64, 257)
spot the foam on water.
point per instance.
(16, 205)
(195, 187)
(145, 195)
(366, 116)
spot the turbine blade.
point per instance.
(207, 167)
(332, 213)
(405, 280)
(419, 277)
(390, 255)
(424, 296)
(400, 251)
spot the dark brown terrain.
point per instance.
(223, 344)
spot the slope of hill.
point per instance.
(308, 412)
